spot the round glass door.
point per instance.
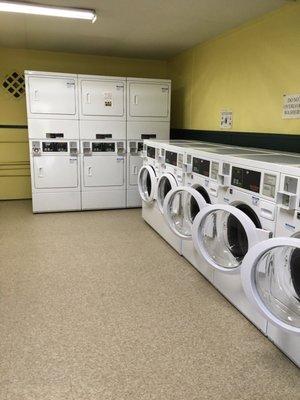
(165, 184)
(147, 183)
(271, 280)
(223, 234)
(181, 206)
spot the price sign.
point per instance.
(291, 106)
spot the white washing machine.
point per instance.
(51, 95)
(271, 274)
(161, 172)
(148, 117)
(201, 187)
(242, 213)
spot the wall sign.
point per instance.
(291, 106)
(226, 119)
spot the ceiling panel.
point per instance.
(131, 28)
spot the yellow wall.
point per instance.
(14, 165)
(246, 70)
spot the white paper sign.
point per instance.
(226, 119)
(291, 106)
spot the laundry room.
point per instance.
(149, 200)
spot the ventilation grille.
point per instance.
(14, 84)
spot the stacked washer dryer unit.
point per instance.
(53, 127)
(271, 270)
(240, 214)
(103, 141)
(148, 117)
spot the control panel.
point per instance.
(55, 147)
(101, 147)
(135, 148)
(151, 152)
(201, 166)
(171, 158)
(246, 179)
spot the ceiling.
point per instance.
(156, 29)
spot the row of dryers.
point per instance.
(86, 134)
(234, 213)
(51, 95)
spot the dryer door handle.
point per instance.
(89, 171)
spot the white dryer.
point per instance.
(162, 172)
(148, 117)
(55, 175)
(271, 274)
(51, 95)
(103, 141)
(103, 170)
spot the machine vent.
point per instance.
(14, 84)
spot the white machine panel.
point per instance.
(55, 175)
(103, 97)
(55, 172)
(148, 99)
(148, 130)
(51, 95)
(53, 129)
(92, 130)
(103, 171)
(103, 174)
(134, 164)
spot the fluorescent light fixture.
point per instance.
(52, 11)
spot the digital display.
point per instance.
(140, 146)
(103, 147)
(171, 158)
(201, 166)
(55, 147)
(246, 179)
(151, 152)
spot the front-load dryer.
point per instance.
(103, 170)
(55, 175)
(51, 95)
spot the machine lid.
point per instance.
(147, 183)
(180, 207)
(223, 234)
(271, 280)
(165, 184)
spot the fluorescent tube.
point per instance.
(38, 9)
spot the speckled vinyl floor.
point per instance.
(95, 305)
